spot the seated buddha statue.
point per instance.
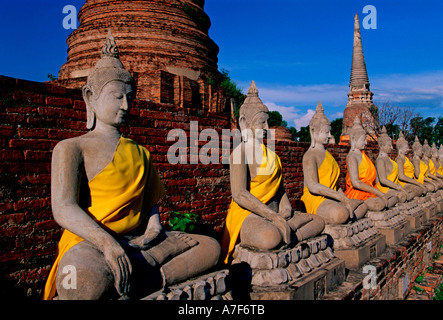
(420, 167)
(435, 159)
(387, 169)
(104, 193)
(361, 173)
(406, 170)
(260, 215)
(432, 170)
(440, 159)
(322, 195)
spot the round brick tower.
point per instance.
(163, 43)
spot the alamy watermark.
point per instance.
(370, 281)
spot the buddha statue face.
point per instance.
(112, 105)
(108, 92)
(357, 136)
(385, 142)
(253, 116)
(417, 149)
(319, 127)
(426, 149)
(402, 147)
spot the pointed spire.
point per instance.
(401, 135)
(319, 108)
(253, 91)
(383, 130)
(359, 74)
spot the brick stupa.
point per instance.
(164, 44)
(359, 97)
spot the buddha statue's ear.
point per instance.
(90, 114)
(243, 127)
(311, 132)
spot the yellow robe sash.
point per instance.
(409, 170)
(264, 187)
(423, 172)
(118, 198)
(432, 167)
(328, 174)
(393, 176)
(367, 174)
(440, 169)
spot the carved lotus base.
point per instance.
(392, 223)
(306, 271)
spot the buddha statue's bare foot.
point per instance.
(173, 245)
(299, 219)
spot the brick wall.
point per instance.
(35, 116)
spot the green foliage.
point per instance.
(276, 119)
(185, 222)
(336, 128)
(422, 128)
(51, 77)
(303, 135)
(231, 89)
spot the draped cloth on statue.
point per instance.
(328, 174)
(440, 169)
(367, 174)
(264, 187)
(393, 176)
(409, 170)
(118, 198)
(432, 167)
(423, 172)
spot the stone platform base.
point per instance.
(391, 223)
(306, 271)
(312, 286)
(212, 286)
(356, 257)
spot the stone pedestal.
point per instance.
(428, 206)
(356, 242)
(390, 223)
(413, 213)
(211, 286)
(304, 272)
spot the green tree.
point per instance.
(437, 136)
(231, 88)
(336, 128)
(422, 128)
(303, 135)
(276, 119)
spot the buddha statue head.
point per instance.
(384, 141)
(108, 85)
(253, 116)
(427, 149)
(434, 151)
(402, 145)
(417, 148)
(440, 153)
(357, 135)
(319, 127)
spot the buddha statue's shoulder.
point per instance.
(315, 155)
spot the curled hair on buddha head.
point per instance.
(249, 109)
(401, 141)
(416, 145)
(383, 138)
(108, 68)
(356, 132)
(317, 121)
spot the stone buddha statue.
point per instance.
(387, 169)
(440, 159)
(420, 167)
(361, 173)
(104, 194)
(406, 170)
(260, 215)
(436, 161)
(322, 195)
(432, 168)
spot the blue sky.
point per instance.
(298, 52)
